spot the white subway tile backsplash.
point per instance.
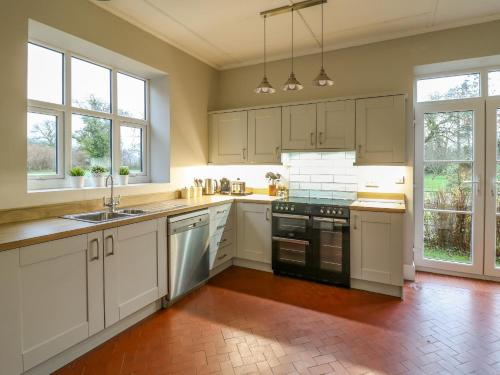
(299, 178)
(299, 193)
(310, 186)
(321, 194)
(322, 178)
(346, 179)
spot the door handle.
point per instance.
(320, 138)
(96, 256)
(112, 252)
(355, 227)
(359, 150)
(277, 151)
(289, 240)
(244, 153)
(267, 214)
(312, 138)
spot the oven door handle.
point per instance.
(300, 242)
(287, 216)
(330, 220)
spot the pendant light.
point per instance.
(292, 84)
(265, 87)
(322, 79)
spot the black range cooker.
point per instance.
(311, 239)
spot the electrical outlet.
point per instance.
(400, 181)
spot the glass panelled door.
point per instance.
(492, 212)
(449, 192)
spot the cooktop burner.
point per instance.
(318, 201)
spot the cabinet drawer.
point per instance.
(222, 237)
(220, 217)
(223, 255)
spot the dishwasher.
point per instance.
(188, 253)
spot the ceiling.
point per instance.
(229, 33)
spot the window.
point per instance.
(494, 83)
(72, 107)
(447, 88)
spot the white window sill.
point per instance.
(130, 186)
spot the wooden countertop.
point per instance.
(25, 233)
(379, 205)
(33, 232)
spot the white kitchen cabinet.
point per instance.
(254, 232)
(10, 314)
(61, 295)
(228, 137)
(222, 234)
(381, 130)
(336, 125)
(264, 135)
(135, 266)
(377, 247)
(299, 127)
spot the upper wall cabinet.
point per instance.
(228, 137)
(381, 130)
(264, 135)
(299, 127)
(336, 125)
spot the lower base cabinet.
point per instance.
(134, 257)
(58, 293)
(377, 247)
(254, 232)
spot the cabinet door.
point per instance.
(264, 135)
(299, 127)
(336, 125)
(381, 130)
(377, 247)
(254, 232)
(10, 313)
(131, 268)
(228, 137)
(61, 295)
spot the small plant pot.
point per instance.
(77, 182)
(98, 181)
(272, 190)
(123, 179)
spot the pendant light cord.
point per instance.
(292, 40)
(265, 59)
(322, 34)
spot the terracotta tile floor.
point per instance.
(246, 322)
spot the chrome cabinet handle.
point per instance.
(220, 227)
(289, 240)
(359, 150)
(244, 153)
(312, 138)
(112, 252)
(267, 214)
(221, 241)
(94, 257)
(222, 256)
(320, 138)
(277, 151)
(355, 222)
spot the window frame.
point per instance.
(60, 162)
(66, 110)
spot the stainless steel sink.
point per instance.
(104, 216)
(128, 211)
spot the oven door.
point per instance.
(292, 256)
(331, 250)
(291, 226)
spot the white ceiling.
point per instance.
(228, 33)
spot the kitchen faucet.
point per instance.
(112, 202)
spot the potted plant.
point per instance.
(123, 174)
(98, 175)
(77, 177)
(272, 179)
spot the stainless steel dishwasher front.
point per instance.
(188, 254)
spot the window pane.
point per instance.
(448, 186)
(131, 148)
(447, 236)
(131, 96)
(42, 144)
(90, 86)
(445, 88)
(448, 135)
(494, 83)
(91, 142)
(45, 74)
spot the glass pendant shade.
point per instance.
(322, 79)
(292, 84)
(265, 87)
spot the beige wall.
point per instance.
(193, 90)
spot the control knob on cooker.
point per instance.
(292, 208)
(321, 211)
(286, 208)
(340, 212)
